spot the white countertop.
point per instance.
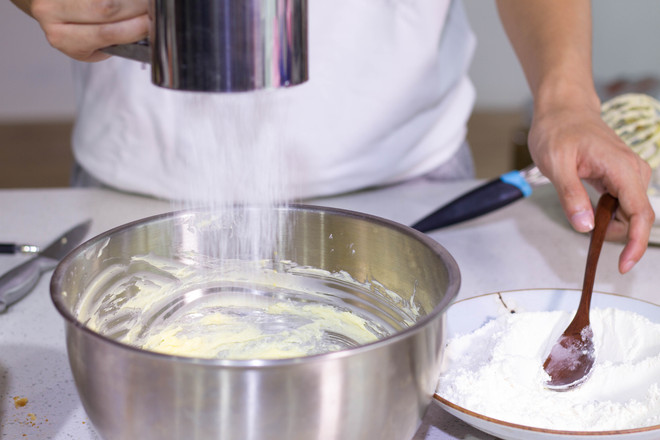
(528, 244)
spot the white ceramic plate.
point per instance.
(470, 314)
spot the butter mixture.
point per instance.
(497, 371)
(247, 310)
(272, 331)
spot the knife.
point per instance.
(14, 248)
(20, 280)
(486, 198)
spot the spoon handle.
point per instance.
(605, 210)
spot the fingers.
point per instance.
(80, 28)
(640, 217)
(575, 201)
(87, 11)
(630, 185)
(633, 230)
(632, 223)
(83, 41)
(638, 238)
(586, 149)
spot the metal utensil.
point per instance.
(375, 391)
(20, 280)
(15, 248)
(572, 357)
(486, 198)
(224, 45)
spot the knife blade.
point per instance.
(486, 198)
(19, 281)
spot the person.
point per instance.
(387, 101)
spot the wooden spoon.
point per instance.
(572, 357)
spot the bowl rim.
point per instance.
(453, 287)
(472, 414)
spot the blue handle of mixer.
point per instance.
(486, 198)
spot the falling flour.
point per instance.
(497, 371)
(235, 160)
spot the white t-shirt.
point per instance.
(388, 99)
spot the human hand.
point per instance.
(569, 142)
(80, 28)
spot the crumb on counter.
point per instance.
(20, 402)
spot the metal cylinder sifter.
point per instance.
(224, 45)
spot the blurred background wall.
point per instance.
(37, 104)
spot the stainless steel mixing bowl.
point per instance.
(375, 391)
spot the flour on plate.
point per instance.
(497, 371)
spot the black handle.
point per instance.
(7, 248)
(482, 200)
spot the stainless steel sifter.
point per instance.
(224, 45)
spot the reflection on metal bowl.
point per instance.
(398, 281)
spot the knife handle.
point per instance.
(20, 280)
(14, 248)
(486, 198)
(7, 248)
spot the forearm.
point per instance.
(568, 139)
(552, 39)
